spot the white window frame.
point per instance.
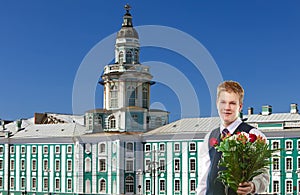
(286, 163)
(100, 165)
(176, 167)
(287, 191)
(275, 164)
(100, 186)
(162, 147)
(194, 186)
(274, 187)
(275, 142)
(33, 150)
(175, 147)
(69, 184)
(195, 147)
(57, 149)
(177, 185)
(287, 144)
(162, 185)
(190, 164)
(69, 165)
(45, 149)
(69, 149)
(129, 162)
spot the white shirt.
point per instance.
(261, 181)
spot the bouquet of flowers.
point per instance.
(244, 156)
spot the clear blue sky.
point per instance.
(42, 44)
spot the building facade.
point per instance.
(126, 147)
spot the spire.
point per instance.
(127, 18)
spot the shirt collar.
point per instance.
(232, 127)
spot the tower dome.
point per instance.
(127, 30)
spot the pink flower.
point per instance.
(252, 137)
(213, 142)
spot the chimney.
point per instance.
(18, 124)
(266, 110)
(250, 111)
(294, 108)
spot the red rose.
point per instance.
(252, 137)
(213, 142)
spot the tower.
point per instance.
(126, 84)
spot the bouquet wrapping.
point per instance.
(244, 156)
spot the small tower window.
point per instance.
(131, 94)
(128, 57)
(145, 96)
(112, 122)
(114, 96)
(121, 57)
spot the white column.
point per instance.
(185, 169)
(94, 169)
(52, 170)
(170, 169)
(28, 167)
(63, 168)
(17, 167)
(109, 163)
(39, 160)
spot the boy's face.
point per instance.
(229, 107)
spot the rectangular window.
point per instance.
(298, 186)
(148, 185)
(45, 149)
(129, 165)
(22, 182)
(12, 149)
(57, 150)
(69, 165)
(57, 165)
(1, 164)
(57, 184)
(147, 148)
(192, 165)
(33, 150)
(46, 183)
(147, 165)
(1, 150)
(276, 186)
(176, 147)
(1, 182)
(275, 145)
(22, 164)
(177, 165)
(23, 150)
(289, 164)
(162, 164)
(289, 145)
(102, 165)
(12, 182)
(193, 147)
(276, 164)
(46, 168)
(162, 147)
(69, 150)
(33, 165)
(193, 185)
(177, 185)
(69, 184)
(33, 182)
(298, 144)
(289, 186)
(162, 185)
(12, 164)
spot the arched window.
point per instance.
(136, 56)
(87, 186)
(102, 148)
(112, 122)
(129, 184)
(145, 96)
(88, 165)
(128, 57)
(114, 96)
(102, 185)
(131, 95)
(129, 147)
(121, 57)
(98, 120)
